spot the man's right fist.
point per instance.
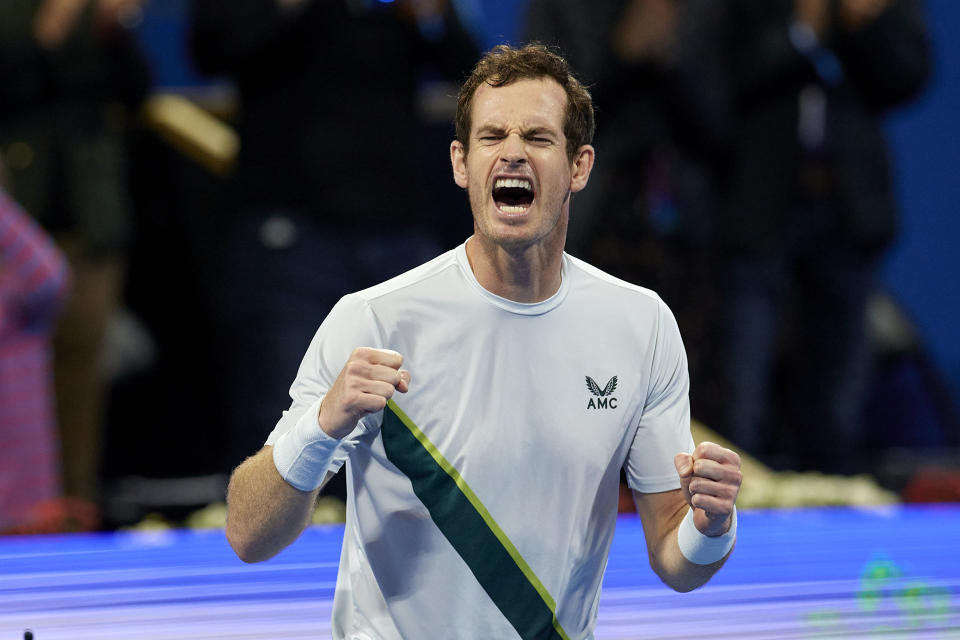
(366, 382)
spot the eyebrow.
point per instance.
(539, 130)
(489, 128)
(527, 132)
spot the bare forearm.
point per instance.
(677, 572)
(265, 509)
(264, 513)
(663, 516)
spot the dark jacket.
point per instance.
(881, 66)
(329, 122)
(62, 120)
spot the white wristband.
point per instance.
(701, 549)
(303, 454)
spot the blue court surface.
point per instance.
(891, 572)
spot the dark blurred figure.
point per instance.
(70, 73)
(328, 104)
(652, 68)
(33, 284)
(809, 214)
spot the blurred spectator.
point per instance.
(650, 65)
(69, 74)
(33, 284)
(810, 212)
(330, 193)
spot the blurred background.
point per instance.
(190, 187)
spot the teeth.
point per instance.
(506, 183)
(513, 209)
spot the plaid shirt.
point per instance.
(33, 281)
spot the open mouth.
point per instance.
(512, 195)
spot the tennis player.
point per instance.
(482, 497)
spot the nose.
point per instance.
(513, 151)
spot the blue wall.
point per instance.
(923, 270)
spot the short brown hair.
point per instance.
(504, 64)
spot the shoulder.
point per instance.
(415, 279)
(642, 311)
(588, 279)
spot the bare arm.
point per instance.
(710, 480)
(264, 513)
(661, 514)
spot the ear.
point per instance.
(582, 165)
(458, 160)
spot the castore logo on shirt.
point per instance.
(602, 397)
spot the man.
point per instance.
(293, 207)
(71, 74)
(810, 211)
(482, 502)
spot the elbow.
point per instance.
(684, 576)
(680, 584)
(681, 587)
(245, 547)
(676, 580)
(239, 546)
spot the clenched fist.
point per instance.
(366, 382)
(710, 480)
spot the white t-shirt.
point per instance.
(518, 420)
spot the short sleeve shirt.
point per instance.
(524, 415)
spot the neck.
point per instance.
(528, 274)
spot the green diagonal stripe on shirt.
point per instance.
(466, 523)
